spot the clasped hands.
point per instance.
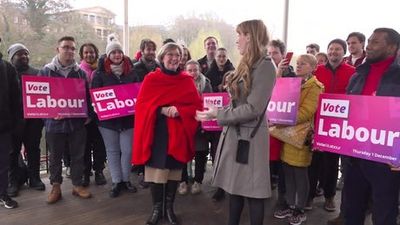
(209, 114)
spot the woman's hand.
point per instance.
(209, 114)
(170, 111)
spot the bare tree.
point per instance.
(38, 12)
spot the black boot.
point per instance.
(99, 178)
(115, 190)
(169, 202)
(36, 183)
(157, 197)
(13, 187)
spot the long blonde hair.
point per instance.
(259, 39)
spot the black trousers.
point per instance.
(330, 173)
(95, 144)
(315, 173)
(28, 134)
(213, 138)
(200, 159)
(5, 149)
(363, 179)
(73, 142)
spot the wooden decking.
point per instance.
(131, 209)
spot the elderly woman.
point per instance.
(165, 128)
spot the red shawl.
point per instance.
(157, 90)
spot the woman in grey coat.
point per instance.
(244, 173)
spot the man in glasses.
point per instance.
(66, 133)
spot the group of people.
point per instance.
(164, 135)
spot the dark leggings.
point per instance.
(256, 209)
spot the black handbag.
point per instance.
(243, 146)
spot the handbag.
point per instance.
(243, 146)
(294, 135)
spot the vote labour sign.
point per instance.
(282, 108)
(365, 127)
(49, 97)
(115, 101)
(219, 100)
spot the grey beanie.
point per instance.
(13, 49)
(113, 45)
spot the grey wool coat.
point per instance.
(252, 179)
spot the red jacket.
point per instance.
(335, 82)
(157, 90)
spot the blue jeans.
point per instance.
(119, 152)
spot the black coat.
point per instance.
(141, 70)
(102, 79)
(10, 106)
(389, 85)
(216, 76)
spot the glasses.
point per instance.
(170, 55)
(66, 48)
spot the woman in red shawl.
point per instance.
(165, 127)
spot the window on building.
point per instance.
(98, 32)
(85, 16)
(92, 18)
(16, 19)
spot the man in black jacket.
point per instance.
(147, 63)
(378, 76)
(210, 45)
(29, 132)
(10, 113)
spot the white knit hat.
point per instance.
(13, 49)
(113, 45)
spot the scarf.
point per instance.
(126, 66)
(200, 83)
(117, 69)
(157, 90)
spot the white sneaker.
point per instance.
(196, 188)
(183, 188)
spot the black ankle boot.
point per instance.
(169, 202)
(157, 197)
(115, 190)
(36, 183)
(99, 178)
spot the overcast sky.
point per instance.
(310, 20)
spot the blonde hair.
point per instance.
(310, 59)
(259, 39)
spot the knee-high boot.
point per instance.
(157, 194)
(170, 198)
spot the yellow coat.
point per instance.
(309, 95)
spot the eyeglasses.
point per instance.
(170, 55)
(66, 48)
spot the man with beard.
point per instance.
(146, 64)
(10, 113)
(210, 45)
(378, 76)
(28, 132)
(335, 76)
